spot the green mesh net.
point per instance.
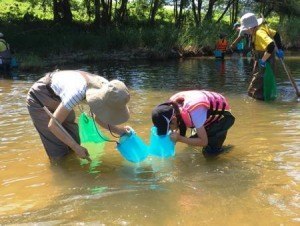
(270, 87)
(93, 140)
(88, 131)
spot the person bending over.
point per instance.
(60, 92)
(208, 113)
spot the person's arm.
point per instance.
(61, 114)
(115, 129)
(277, 40)
(269, 50)
(201, 140)
(279, 51)
(233, 44)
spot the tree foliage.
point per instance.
(119, 12)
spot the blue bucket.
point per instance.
(132, 147)
(218, 53)
(161, 146)
(240, 46)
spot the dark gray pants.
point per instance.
(55, 148)
(217, 132)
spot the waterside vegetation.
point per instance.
(54, 32)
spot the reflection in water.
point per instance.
(255, 183)
(96, 150)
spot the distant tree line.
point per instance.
(103, 13)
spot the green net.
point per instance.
(93, 140)
(270, 88)
(88, 131)
(96, 150)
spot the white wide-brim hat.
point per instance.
(248, 21)
(108, 100)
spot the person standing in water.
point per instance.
(208, 113)
(222, 45)
(266, 42)
(242, 42)
(60, 92)
(5, 53)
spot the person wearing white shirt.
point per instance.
(60, 92)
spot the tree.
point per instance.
(155, 4)
(197, 11)
(209, 14)
(121, 12)
(230, 2)
(283, 8)
(62, 11)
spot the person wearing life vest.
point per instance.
(222, 44)
(266, 42)
(207, 113)
(5, 54)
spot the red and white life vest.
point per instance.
(193, 99)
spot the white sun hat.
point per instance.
(248, 21)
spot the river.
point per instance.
(255, 182)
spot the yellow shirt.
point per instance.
(262, 37)
(3, 46)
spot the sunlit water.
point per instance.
(256, 182)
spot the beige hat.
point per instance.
(108, 100)
(248, 21)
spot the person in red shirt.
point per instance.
(221, 46)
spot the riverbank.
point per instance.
(33, 62)
(41, 44)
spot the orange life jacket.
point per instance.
(222, 45)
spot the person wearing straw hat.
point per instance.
(207, 113)
(264, 40)
(60, 92)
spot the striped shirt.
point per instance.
(70, 86)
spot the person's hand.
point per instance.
(82, 152)
(174, 136)
(126, 130)
(262, 63)
(280, 53)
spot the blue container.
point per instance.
(240, 46)
(161, 146)
(218, 53)
(132, 147)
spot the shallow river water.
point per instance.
(256, 182)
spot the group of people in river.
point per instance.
(264, 42)
(206, 112)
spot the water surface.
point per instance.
(256, 182)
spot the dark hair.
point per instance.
(180, 122)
